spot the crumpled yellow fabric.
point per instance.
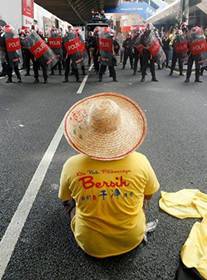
(190, 203)
(194, 251)
(186, 203)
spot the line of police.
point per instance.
(135, 48)
(29, 54)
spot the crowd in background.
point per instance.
(144, 48)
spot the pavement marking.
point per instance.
(82, 85)
(12, 234)
(80, 90)
(14, 229)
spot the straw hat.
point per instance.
(105, 126)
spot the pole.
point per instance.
(185, 11)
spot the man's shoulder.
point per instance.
(74, 160)
(136, 160)
(138, 156)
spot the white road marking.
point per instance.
(12, 234)
(82, 85)
(80, 90)
(16, 225)
(90, 68)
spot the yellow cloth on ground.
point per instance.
(190, 203)
(186, 203)
(194, 251)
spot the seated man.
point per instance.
(107, 181)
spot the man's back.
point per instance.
(109, 198)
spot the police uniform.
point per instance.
(70, 64)
(11, 65)
(128, 53)
(193, 59)
(96, 54)
(26, 55)
(111, 63)
(2, 55)
(90, 46)
(137, 55)
(37, 64)
(176, 56)
(147, 59)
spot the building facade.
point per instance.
(20, 13)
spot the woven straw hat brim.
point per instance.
(129, 135)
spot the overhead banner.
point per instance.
(141, 8)
(27, 12)
(129, 28)
(28, 8)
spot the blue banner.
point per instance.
(141, 8)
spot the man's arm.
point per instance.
(64, 192)
(69, 205)
(152, 185)
(146, 201)
(147, 197)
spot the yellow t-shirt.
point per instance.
(109, 198)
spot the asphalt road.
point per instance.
(176, 146)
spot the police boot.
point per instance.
(36, 81)
(100, 77)
(83, 70)
(114, 78)
(9, 80)
(154, 79)
(77, 76)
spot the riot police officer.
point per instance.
(128, 53)
(147, 58)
